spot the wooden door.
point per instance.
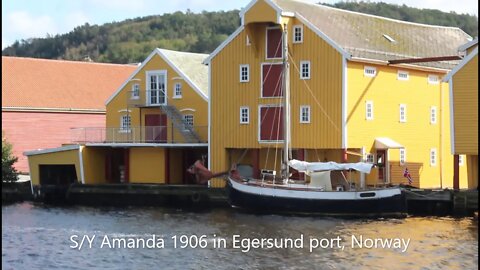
(381, 156)
(155, 128)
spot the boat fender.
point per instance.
(195, 197)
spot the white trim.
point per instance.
(344, 103)
(124, 111)
(295, 27)
(461, 160)
(452, 118)
(209, 105)
(80, 156)
(365, 74)
(248, 73)
(260, 106)
(175, 96)
(401, 73)
(158, 72)
(51, 150)
(132, 96)
(266, 42)
(433, 162)
(188, 124)
(461, 64)
(177, 78)
(404, 152)
(433, 111)
(468, 45)
(187, 109)
(309, 70)
(169, 145)
(261, 78)
(248, 115)
(323, 36)
(222, 45)
(309, 114)
(367, 103)
(122, 128)
(273, 5)
(404, 107)
(408, 66)
(431, 76)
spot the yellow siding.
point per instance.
(57, 158)
(94, 164)
(228, 94)
(465, 104)
(190, 100)
(260, 12)
(147, 165)
(417, 135)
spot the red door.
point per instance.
(271, 123)
(155, 128)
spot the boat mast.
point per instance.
(286, 108)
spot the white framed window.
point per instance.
(369, 71)
(305, 114)
(244, 115)
(461, 160)
(304, 70)
(402, 75)
(135, 91)
(156, 87)
(244, 73)
(403, 113)
(370, 158)
(177, 90)
(188, 121)
(403, 156)
(125, 124)
(433, 115)
(433, 157)
(369, 110)
(297, 33)
(433, 79)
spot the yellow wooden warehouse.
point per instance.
(463, 82)
(356, 93)
(156, 126)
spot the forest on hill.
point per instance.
(131, 40)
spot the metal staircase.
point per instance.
(176, 117)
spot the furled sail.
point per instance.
(303, 166)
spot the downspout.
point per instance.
(440, 135)
(80, 156)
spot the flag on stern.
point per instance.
(406, 174)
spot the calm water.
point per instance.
(35, 236)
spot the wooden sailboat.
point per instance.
(327, 193)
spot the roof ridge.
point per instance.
(374, 16)
(199, 54)
(66, 61)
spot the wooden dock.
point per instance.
(441, 202)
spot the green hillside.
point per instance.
(133, 39)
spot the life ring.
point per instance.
(195, 197)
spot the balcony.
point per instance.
(149, 134)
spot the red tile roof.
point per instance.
(57, 84)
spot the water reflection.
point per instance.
(35, 236)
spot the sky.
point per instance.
(23, 19)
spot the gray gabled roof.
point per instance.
(367, 36)
(191, 65)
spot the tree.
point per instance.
(9, 173)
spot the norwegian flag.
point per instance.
(406, 174)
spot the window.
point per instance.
(433, 157)
(274, 43)
(304, 70)
(125, 123)
(135, 91)
(433, 115)
(244, 115)
(403, 113)
(370, 158)
(156, 87)
(305, 114)
(369, 110)
(369, 71)
(297, 34)
(402, 75)
(244, 73)
(177, 90)
(403, 156)
(272, 80)
(461, 160)
(433, 79)
(188, 121)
